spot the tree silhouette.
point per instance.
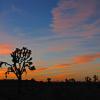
(49, 80)
(87, 79)
(95, 77)
(66, 80)
(21, 58)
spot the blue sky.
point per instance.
(63, 33)
(27, 16)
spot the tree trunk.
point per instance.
(19, 85)
(20, 77)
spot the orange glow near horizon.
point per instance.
(38, 74)
(57, 72)
(5, 49)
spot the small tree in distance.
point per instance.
(21, 58)
(95, 77)
(88, 79)
(49, 80)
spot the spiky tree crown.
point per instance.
(21, 59)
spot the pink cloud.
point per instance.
(69, 15)
(85, 58)
(44, 72)
(60, 66)
(62, 76)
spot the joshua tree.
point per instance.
(95, 77)
(87, 79)
(20, 60)
(49, 80)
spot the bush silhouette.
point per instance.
(71, 80)
(95, 78)
(66, 80)
(88, 79)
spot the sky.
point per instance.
(64, 36)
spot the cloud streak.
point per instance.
(70, 16)
(86, 58)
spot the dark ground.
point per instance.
(30, 90)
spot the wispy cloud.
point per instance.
(45, 72)
(70, 16)
(86, 58)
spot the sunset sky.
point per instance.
(64, 36)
